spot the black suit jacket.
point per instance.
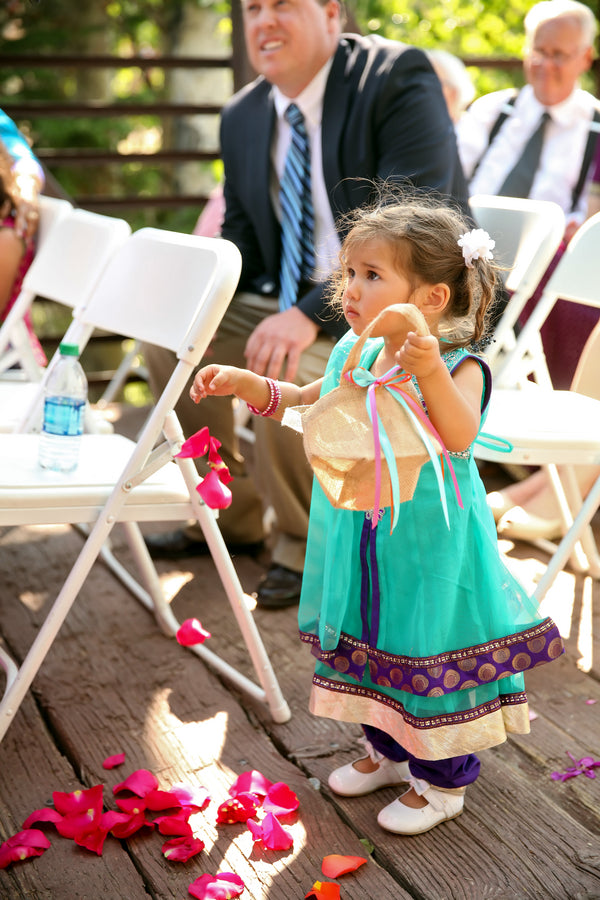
(384, 117)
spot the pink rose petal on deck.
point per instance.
(250, 782)
(191, 632)
(237, 809)
(176, 825)
(271, 832)
(196, 798)
(23, 845)
(217, 887)
(180, 849)
(280, 800)
(45, 814)
(122, 825)
(111, 762)
(140, 782)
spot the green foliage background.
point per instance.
(484, 28)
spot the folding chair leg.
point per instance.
(154, 600)
(564, 549)
(14, 694)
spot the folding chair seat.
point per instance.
(527, 234)
(171, 290)
(16, 357)
(66, 268)
(551, 428)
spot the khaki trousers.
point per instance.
(283, 476)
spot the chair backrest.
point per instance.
(52, 209)
(527, 235)
(68, 262)
(152, 287)
(576, 278)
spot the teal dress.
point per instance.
(421, 632)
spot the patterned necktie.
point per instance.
(520, 178)
(297, 214)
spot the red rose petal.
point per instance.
(324, 890)
(280, 800)
(111, 762)
(217, 887)
(335, 865)
(251, 782)
(140, 782)
(180, 849)
(191, 632)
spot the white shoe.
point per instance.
(349, 782)
(402, 819)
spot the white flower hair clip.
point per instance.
(476, 244)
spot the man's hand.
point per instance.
(280, 336)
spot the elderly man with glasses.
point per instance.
(539, 142)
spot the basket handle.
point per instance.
(399, 318)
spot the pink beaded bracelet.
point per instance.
(274, 400)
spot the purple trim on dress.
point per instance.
(451, 718)
(457, 670)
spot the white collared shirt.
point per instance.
(562, 154)
(310, 104)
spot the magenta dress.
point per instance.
(26, 260)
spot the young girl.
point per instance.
(422, 638)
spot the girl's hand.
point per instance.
(419, 355)
(216, 381)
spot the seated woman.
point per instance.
(17, 247)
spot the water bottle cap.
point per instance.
(69, 349)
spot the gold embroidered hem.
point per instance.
(439, 738)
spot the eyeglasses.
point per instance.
(556, 57)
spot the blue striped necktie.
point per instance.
(297, 214)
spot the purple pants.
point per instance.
(443, 773)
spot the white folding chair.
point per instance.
(66, 269)
(171, 290)
(16, 356)
(551, 428)
(527, 234)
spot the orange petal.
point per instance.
(336, 865)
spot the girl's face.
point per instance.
(373, 282)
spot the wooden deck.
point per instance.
(112, 682)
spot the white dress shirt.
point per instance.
(565, 138)
(310, 104)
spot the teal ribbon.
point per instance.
(493, 442)
(392, 381)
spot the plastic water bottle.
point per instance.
(64, 407)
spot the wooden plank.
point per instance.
(113, 682)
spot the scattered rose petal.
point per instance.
(81, 814)
(191, 632)
(271, 832)
(217, 887)
(324, 890)
(131, 805)
(195, 446)
(335, 865)
(237, 809)
(158, 800)
(177, 825)
(214, 493)
(111, 762)
(280, 800)
(180, 849)
(251, 782)
(23, 845)
(196, 798)
(92, 840)
(122, 825)
(532, 715)
(584, 766)
(591, 702)
(46, 814)
(140, 782)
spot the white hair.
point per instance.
(550, 10)
(451, 69)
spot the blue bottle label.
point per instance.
(63, 415)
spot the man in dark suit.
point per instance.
(373, 110)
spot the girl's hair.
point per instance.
(423, 235)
